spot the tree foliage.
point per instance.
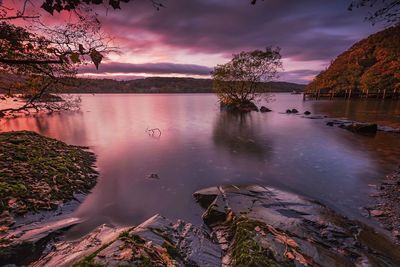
(240, 80)
(43, 56)
(73, 5)
(372, 64)
(387, 11)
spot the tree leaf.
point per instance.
(96, 58)
(74, 58)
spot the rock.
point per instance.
(26, 243)
(288, 111)
(317, 117)
(2, 114)
(3, 98)
(295, 111)
(362, 128)
(67, 253)
(156, 242)
(307, 112)
(265, 109)
(153, 176)
(239, 107)
(270, 227)
(330, 123)
(377, 213)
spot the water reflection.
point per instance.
(201, 147)
(240, 134)
(383, 112)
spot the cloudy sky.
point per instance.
(188, 38)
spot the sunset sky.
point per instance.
(188, 38)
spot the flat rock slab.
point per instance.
(156, 242)
(284, 228)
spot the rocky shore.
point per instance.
(243, 226)
(386, 208)
(38, 174)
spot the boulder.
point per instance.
(239, 107)
(264, 226)
(307, 112)
(361, 128)
(156, 242)
(295, 111)
(288, 111)
(265, 109)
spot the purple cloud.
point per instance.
(305, 30)
(153, 68)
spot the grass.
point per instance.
(246, 251)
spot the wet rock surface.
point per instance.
(156, 242)
(244, 226)
(361, 127)
(264, 109)
(267, 227)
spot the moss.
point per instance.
(40, 173)
(246, 251)
(89, 260)
(172, 250)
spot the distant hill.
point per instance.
(147, 85)
(371, 64)
(164, 85)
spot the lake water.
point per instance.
(201, 147)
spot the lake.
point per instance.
(201, 147)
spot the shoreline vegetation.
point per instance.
(39, 174)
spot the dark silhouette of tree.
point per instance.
(387, 11)
(73, 5)
(240, 80)
(43, 57)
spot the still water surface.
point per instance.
(202, 147)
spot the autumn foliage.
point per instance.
(370, 65)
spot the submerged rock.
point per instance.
(265, 109)
(292, 111)
(263, 226)
(361, 128)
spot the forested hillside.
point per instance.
(371, 64)
(148, 85)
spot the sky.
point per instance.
(188, 38)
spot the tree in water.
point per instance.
(240, 82)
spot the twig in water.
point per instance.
(154, 132)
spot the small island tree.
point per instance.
(240, 82)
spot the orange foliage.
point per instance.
(371, 64)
